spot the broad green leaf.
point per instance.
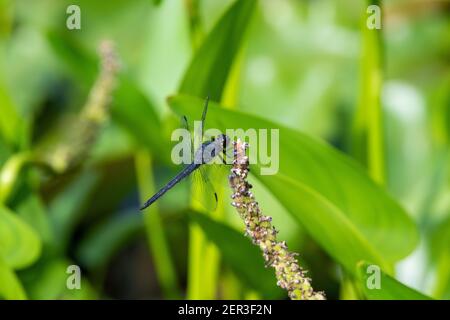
(20, 246)
(329, 226)
(210, 66)
(102, 241)
(328, 182)
(243, 257)
(33, 211)
(10, 286)
(50, 282)
(389, 288)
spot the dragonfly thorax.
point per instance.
(210, 149)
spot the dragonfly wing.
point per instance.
(204, 195)
(209, 183)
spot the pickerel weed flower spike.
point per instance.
(259, 228)
(81, 133)
(96, 108)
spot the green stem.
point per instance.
(443, 276)
(231, 287)
(195, 262)
(368, 138)
(156, 239)
(10, 172)
(349, 288)
(212, 253)
(252, 295)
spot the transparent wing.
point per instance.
(204, 194)
(209, 183)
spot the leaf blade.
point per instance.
(209, 69)
(390, 288)
(11, 287)
(19, 244)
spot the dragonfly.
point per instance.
(205, 154)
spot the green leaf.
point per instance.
(102, 241)
(10, 287)
(389, 287)
(66, 209)
(329, 184)
(244, 258)
(329, 226)
(440, 253)
(50, 282)
(209, 69)
(19, 244)
(32, 210)
(11, 123)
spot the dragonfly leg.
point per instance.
(223, 158)
(185, 124)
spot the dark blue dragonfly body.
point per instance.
(204, 155)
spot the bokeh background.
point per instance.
(84, 140)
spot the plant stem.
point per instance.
(156, 239)
(368, 138)
(195, 262)
(204, 256)
(443, 275)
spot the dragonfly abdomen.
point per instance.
(183, 174)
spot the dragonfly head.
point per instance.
(223, 140)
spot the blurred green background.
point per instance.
(364, 119)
